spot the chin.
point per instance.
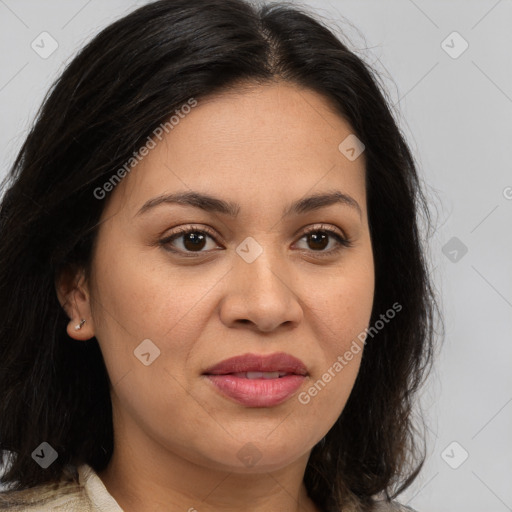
(258, 455)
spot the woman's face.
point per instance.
(246, 282)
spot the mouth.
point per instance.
(260, 375)
(258, 380)
(255, 366)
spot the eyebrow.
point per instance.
(215, 205)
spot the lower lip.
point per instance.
(257, 392)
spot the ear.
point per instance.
(74, 297)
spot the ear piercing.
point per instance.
(79, 326)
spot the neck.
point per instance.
(152, 478)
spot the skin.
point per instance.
(176, 437)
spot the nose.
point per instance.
(261, 294)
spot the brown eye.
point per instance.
(319, 238)
(194, 241)
(187, 241)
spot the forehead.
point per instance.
(254, 145)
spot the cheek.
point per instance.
(138, 302)
(140, 297)
(140, 294)
(355, 300)
(342, 311)
(344, 303)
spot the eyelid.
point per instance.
(193, 228)
(323, 227)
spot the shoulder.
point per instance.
(85, 493)
(42, 498)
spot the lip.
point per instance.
(259, 392)
(277, 362)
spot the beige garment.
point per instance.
(90, 495)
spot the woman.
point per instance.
(213, 288)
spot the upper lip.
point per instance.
(277, 362)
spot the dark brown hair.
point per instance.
(122, 85)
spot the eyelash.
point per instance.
(342, 242)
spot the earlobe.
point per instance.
(79, 330)
(73, 294)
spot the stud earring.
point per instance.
(79, 326)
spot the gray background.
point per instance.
(456, 114)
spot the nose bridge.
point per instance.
(261, 261)
(262, 292)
